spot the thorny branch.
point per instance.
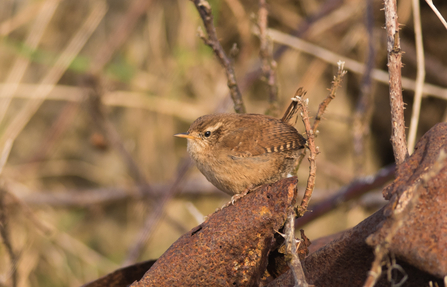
(336, 83)
(204, 9)
(398, 139)
(311, 131)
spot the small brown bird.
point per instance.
(237, 152)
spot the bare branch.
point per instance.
(355, 189)
(293, 261)
(433, 7)
(350, 65)
(303, 107)
(420, 77)
(365, 104)
(268, 64)
(332, 92)
(204, 9)
(398, 139)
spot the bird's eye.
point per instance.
(207, 133)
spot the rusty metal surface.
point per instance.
(123, 276)
(420, 244)
(230, 248)
(422, 239)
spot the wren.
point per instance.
(237, 152)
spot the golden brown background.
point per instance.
(71, 205)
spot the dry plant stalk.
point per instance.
(58, 69)
(204, 9)
(350, 64)
(303, 107)
(433, 7)
(398, 139)
(420, 76)
(268, 64)
(293, 261)
(365, 105)
(312, 130)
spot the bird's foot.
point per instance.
(238, 196)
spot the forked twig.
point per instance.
(311, 131)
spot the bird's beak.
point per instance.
(185, 135)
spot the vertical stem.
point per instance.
(398, 139)
(420, 77)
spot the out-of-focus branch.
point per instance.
(357, 188)
(350, 65)
(4, 232)
(420, 77)
(268, 64)
(119, 35)
(398, 138)
(21, 64)
(151, 221)
(52, 77)
(433, 7)
(4, 226)
(94, 93)
(365, 105)
(204, 9)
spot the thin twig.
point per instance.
(365, 105)
(293, 261)
(96, 108)
(268, 64)
(332, 92)
(303, 107)
(398, 139)
(420, 77)
(204, 9)
(433, 7)
(311, 130)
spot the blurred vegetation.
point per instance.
(72, 205)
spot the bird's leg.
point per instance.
(238, 196)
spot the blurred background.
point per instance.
(92, 92)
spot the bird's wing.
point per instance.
(261, 138)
